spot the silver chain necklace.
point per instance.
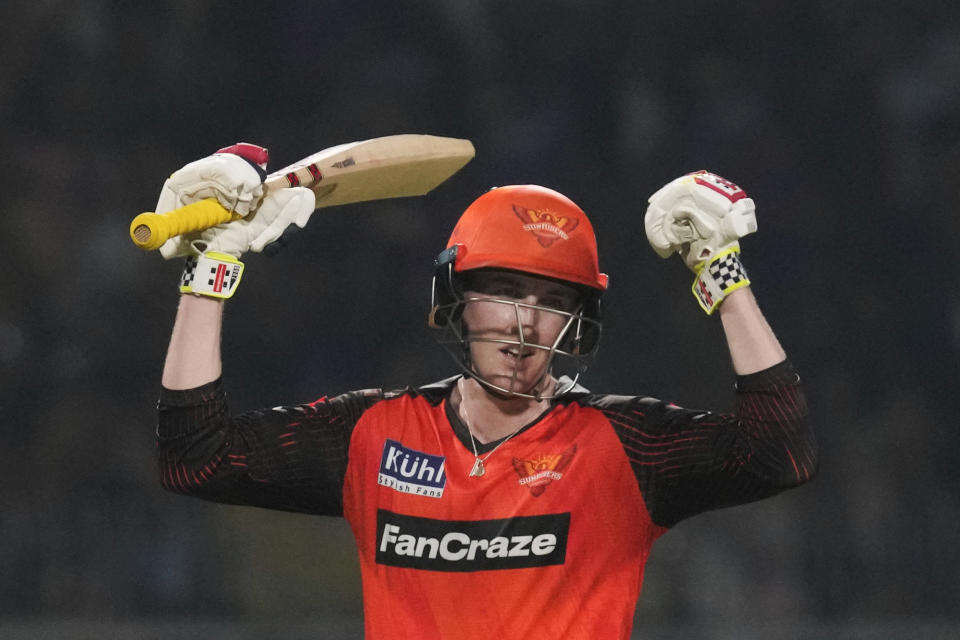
(478, 467)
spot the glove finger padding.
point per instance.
(281, 209)
(698, 215)
(212, 267)
(231, 179)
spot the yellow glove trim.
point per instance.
(212, 274)
(717, 279)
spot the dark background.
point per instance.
(839, 118)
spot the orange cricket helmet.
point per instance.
(532, 230)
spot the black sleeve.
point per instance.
(289, 458)
(687, 462)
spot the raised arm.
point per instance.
(212, 269)
(752, 343)
(292, 458)
(193, 357)
(688, 461)
(702, 217)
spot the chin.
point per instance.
(523, 384)
(498, 368)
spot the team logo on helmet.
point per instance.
(539, 472)
(546, 225)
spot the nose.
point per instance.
(527, 317)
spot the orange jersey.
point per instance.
(550, 542)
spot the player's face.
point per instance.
(513, 320)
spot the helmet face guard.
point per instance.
(570, 353)
(536, 232)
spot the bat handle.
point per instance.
(150, 230)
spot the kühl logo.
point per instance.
(411, 471)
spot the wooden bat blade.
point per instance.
(388, 167)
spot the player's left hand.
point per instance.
(212, 267)
(699, 215)
(702, 217)
(280, 209)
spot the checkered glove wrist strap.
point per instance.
(717, 279)
(211, 274)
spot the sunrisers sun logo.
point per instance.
(471, 545)
(547, 226)
(536, 473)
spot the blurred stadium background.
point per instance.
(841, 119)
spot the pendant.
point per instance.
(478, 469)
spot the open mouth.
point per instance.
(516, 353)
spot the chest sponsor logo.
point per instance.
(471, 545)
(411, 471)
(536, 473)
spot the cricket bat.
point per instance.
(388, 167)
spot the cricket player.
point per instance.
(507, 500)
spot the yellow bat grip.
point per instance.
(150, 230)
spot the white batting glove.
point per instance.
(280, 209)
(234, 176)
(212, 267)
(702, 216)
(698, 215)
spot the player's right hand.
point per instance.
(699, 215)
(234, 176)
